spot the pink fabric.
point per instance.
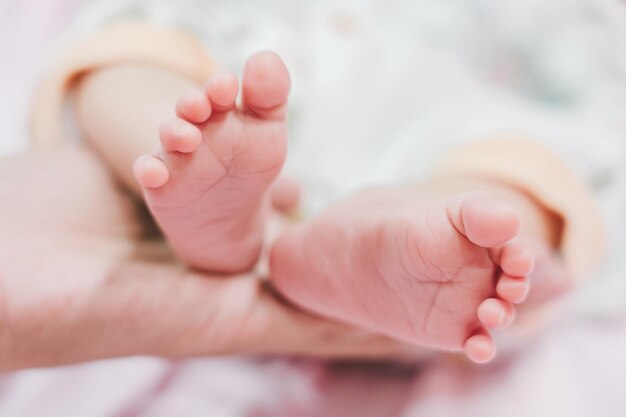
(28, 31)
(578, 369)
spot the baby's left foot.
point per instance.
(208, 188)
(435, 272)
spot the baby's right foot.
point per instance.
(208, 188)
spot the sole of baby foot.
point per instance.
(208, 187)
(439, 273)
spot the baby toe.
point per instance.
(480, 348)
(512, 289)
(485, 220)
(265, 85)
(178, 135)
(494, 313)
(516, 260)
(150, 171)
(285, 194)
(194, 107)
(222, 91)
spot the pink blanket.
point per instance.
(578, 369)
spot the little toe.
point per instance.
(495, 313)
(178, 135)
(194, 107)
(512, 289)
(222, 91)
(485, 220)
(480, 348)
(266, 85)
(516, 260)
(150, 171)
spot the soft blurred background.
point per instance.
(389, 85)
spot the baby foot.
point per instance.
(438, 273)
(208, 188)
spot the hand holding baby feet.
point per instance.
(208, 188)
(439, 273)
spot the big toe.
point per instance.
(487, 221)
(266, 85)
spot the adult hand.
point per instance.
(83, 277)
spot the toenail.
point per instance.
(501, 316)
